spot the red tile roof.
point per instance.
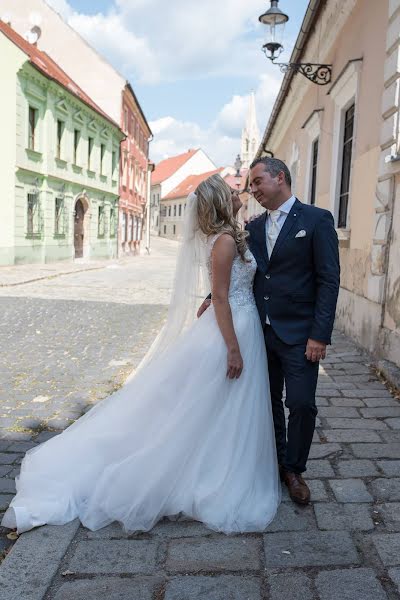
(234, 181)
(169, 166)
(189, 185)
(46, 65)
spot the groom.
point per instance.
(296, 288)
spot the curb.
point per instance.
(53, 276)
(28, 570)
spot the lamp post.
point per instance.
(275, 20)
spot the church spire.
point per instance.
(250, 134)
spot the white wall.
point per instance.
(197, 164)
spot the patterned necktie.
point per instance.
(273, 230)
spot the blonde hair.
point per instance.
(215, 212)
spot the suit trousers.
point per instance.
(287, 364)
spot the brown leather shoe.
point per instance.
(297, 487)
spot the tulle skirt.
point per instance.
(177, 438)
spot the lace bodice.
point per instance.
(242, 275)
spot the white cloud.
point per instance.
(222, 139)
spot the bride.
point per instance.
(191, 432)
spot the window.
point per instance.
(59, 217)
(60, 131)
(314, 163)
(346, 166)
(180, 210)
(174, 229)
(169, 210)
(33, 215)
(101, 222)
(165, 229)
(102, 153)
(113, 162)
(174, 210)
(131, 228)
(33, 119)
(113, 222)
(77, 136)
(126, 122)
(344, 93)
(90, 151)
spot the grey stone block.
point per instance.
(338, 412)
(291, 517)
(117, 556)
(8, 458)
(388, 547)
(350, 490)
(5, 500)
(111, 588)
(376, 402)
(356, 424)
(318, 468)
(213, 554)
(357, 468)
(222, 587)
(381, 412)
(46, 435)
(390, 437)
(290, 586)
(390, 512)
(349, 584)
(29, 568)
(180, 529)
(393, 423)
(21, 446)
(320, 401)
(301, 549)
(331, 516)
(390, 467)
(347, 402)
(368, 393)
(7, 486)
(317, 489)
(390, 450)
(351, 435)
(395, 577)
(324, 450)
(5, 470)
(386, 489)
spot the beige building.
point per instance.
(341, 142)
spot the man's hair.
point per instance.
(273, 166)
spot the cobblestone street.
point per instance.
(66, 342)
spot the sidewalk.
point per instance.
(344, 546)
(15, 275)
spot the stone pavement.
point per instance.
(345, 546)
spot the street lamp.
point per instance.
(275, 19)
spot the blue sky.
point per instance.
(192, 64)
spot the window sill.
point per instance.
(59, 236)
(76, 168)
(343, 234)
(101, 237)
(91, 174)
(103, 178)
(113, 182)
(34, 155)
(60, 162)
(33, 236)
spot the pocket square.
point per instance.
(300, 234)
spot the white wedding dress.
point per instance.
(178, 437)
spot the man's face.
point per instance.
(265, 188)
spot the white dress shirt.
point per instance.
(284, 209)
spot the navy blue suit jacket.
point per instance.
(298, 285)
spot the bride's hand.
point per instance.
(235, 364)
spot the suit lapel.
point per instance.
(291, 220)
(259, 243)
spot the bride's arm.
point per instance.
(223, 253)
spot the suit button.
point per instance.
(266, 297)
(268, 277)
